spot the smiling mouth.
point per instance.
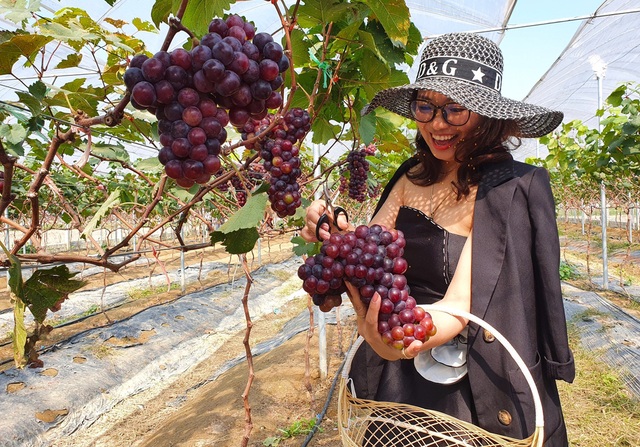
(443, 141)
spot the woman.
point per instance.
(481, 236)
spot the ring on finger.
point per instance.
(404, 354)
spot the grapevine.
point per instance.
(370, 258)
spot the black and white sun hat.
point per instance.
(467, 68)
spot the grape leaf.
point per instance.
(111, 151)
(391, 53)
(15, 272)
(69, 34)
(72, 60)
(34, 105)
(394, 17)
(367, 128)
(17, 292)
(615, 97)
(160, 11)
(239, 234)
(302, 247)
(38, 89)
(13, 133)
(48, 286)
(149, 165)
(313, 12)
(249, 216)
(237, 242)
(143, 25)
(18, 11)
(324, 131)
(20, 45)
(19, 332)
(300, 47)
(376, 73)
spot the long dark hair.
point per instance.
(487, 143)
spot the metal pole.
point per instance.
(6, 242)
(603, 199)
(322, 326)
(183, 273)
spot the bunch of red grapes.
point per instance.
(279, 150)
(355, 183)
(371, 259)
(232, 75)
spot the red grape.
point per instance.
(223, 52)
(272, 50)
(181, 58)
(144, 93)
(260, 39)
(153, 69)
(219, 26)
(173, 169)
(188, 97)
(192, 116)
(268, 69)
(132, 76)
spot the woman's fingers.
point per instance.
(313, 213)
(374, 308)
(413, 349)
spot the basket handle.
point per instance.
(539, 418)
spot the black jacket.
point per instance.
(516, 289)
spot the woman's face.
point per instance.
(440, 136)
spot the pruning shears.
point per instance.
(331, 216)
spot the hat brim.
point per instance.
(532, 121)
(435, 371)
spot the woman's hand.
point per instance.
(368, 328)
(313, 213)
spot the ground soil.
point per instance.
(286, 387)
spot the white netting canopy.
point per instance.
(607, 46)
(446, 16)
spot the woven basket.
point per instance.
(371, 423)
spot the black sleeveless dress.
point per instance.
(432, 254)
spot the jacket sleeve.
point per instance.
(552, 329)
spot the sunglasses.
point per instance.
(452, 113)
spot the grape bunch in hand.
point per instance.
(231, 76)
(370, 258)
